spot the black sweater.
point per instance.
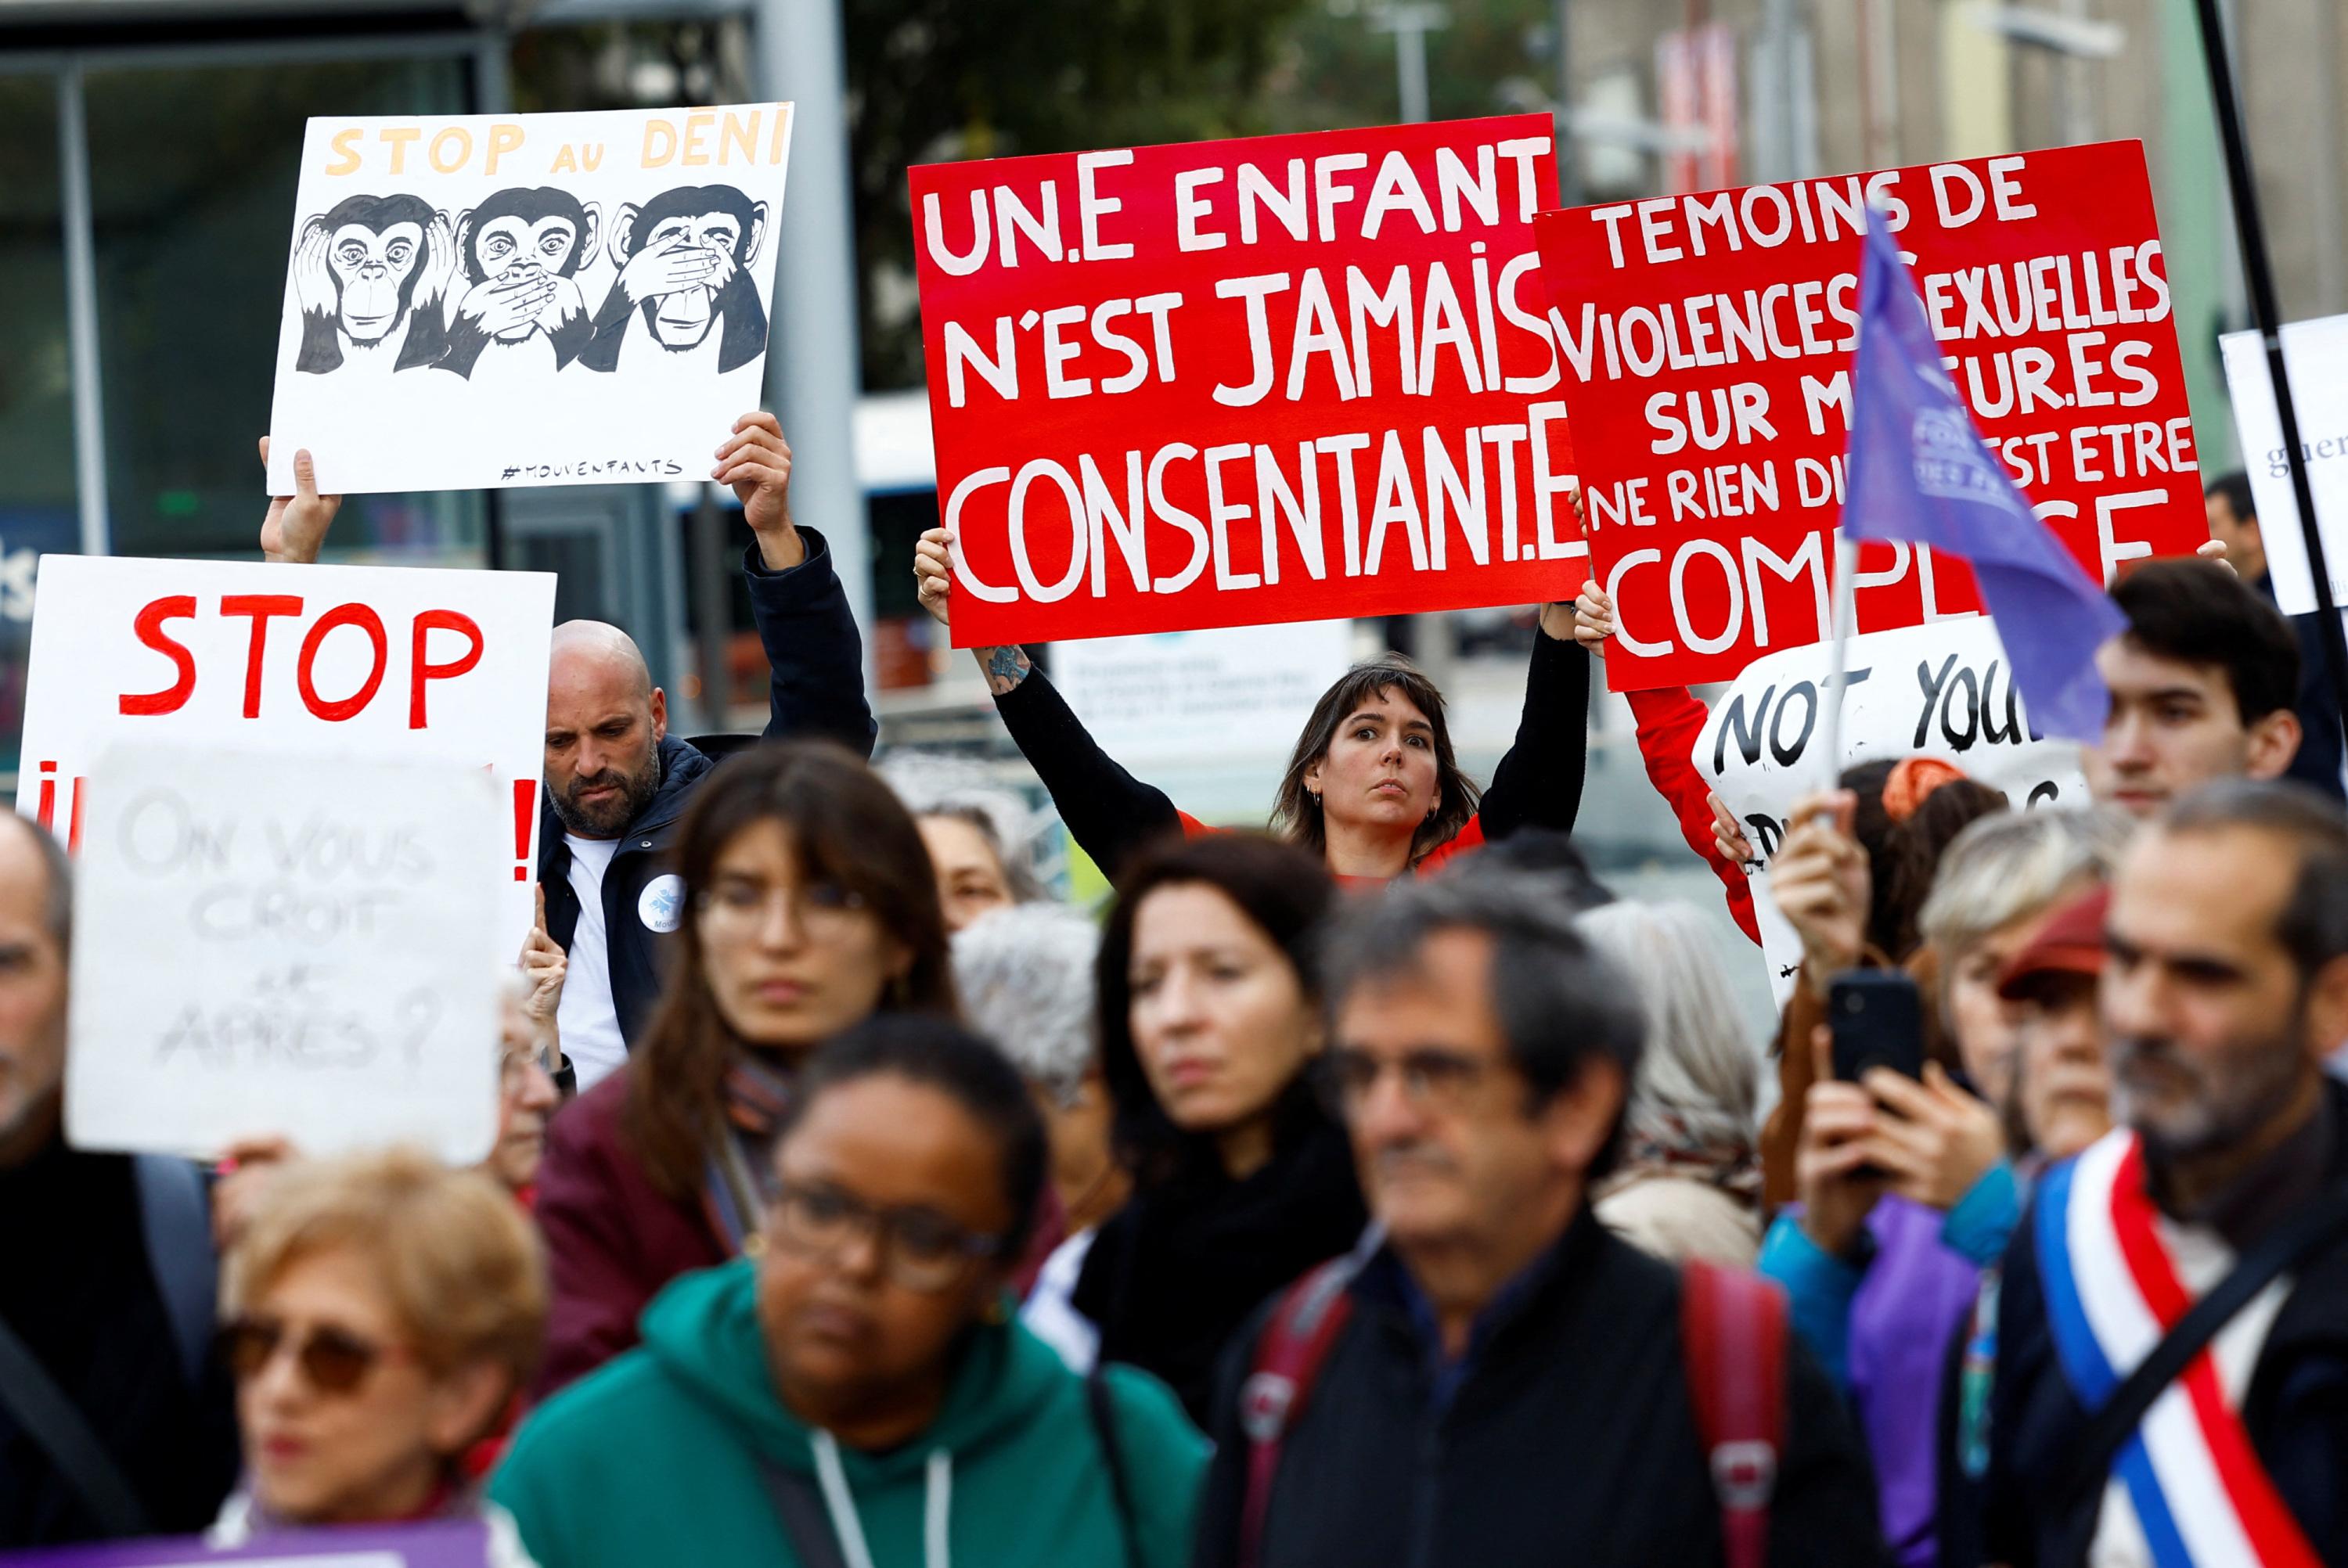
(78, 1289)
(1112, 816)
(1172, 1276)
(1568, 1437)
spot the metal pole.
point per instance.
(2259, 274)
(712, 598)
(81, 315)
(1569, 157)
(812, 370)
(1410, 71)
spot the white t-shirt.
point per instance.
(589, 1022)
(1050, 1312)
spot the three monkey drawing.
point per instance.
(389, 283)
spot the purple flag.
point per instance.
(1919, 471)
(435, 1544)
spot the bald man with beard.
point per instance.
(616, 780)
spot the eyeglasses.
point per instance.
(1433, 1079)
(821, 910)
(920, 1249)
(516, 1062)
(334, 1360)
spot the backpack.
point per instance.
(1732, 1329)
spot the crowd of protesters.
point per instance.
(1374, 1188)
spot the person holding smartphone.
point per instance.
(1907, 1177)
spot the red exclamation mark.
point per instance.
(46, 815)
(73, 838)
(525, 803)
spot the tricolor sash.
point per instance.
(2116, 1274)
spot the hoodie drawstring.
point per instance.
(938, 1506)
(841, 1504)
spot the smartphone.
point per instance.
(1878, 1019)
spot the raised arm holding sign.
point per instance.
(616, 780)
(1372, 785)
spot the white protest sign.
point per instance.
(265, 950)
(2316, 354)
(1943, 689)
(559, 299)
(298, 662)
(1186, 696)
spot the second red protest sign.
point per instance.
(1243, 382)
(1707, 340)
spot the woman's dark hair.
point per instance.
(939, 1054)
(1286, 893)
(1296, 811)
(1903, 857)
(846, 827)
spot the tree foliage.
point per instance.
(935, 80)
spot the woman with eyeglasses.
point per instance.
(379, 1314)
(528, 1061)
(809, 906)
(858, 1392)
(1210, 1011)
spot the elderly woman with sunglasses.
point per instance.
(380, 1313)
(856, 1391)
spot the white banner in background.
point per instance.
(1237, 691)
(1941, 690)
(2316, 354)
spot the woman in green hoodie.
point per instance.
(854, 1393)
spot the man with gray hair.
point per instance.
(1500, 1380)
(2183, 1278)
(114, 1417)
(616, 780)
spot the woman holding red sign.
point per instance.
(1373, 787)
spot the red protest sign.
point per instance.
(1241, 382)
(1707, 340)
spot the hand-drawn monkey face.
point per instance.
(526, 229)
(504, 243)
(684, 317)
(372, 275)
(715, 221)
(376, 249)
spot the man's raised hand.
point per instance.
(755, 461)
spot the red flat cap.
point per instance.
(2071, 942)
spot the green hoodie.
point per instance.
(654, 1460)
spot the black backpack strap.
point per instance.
(175, 1217)
(32, 1396)
(799, 1506)
(1104, 1412)
(2321, 1222)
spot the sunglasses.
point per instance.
(334, 1360)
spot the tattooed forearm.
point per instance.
(1005, 667)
